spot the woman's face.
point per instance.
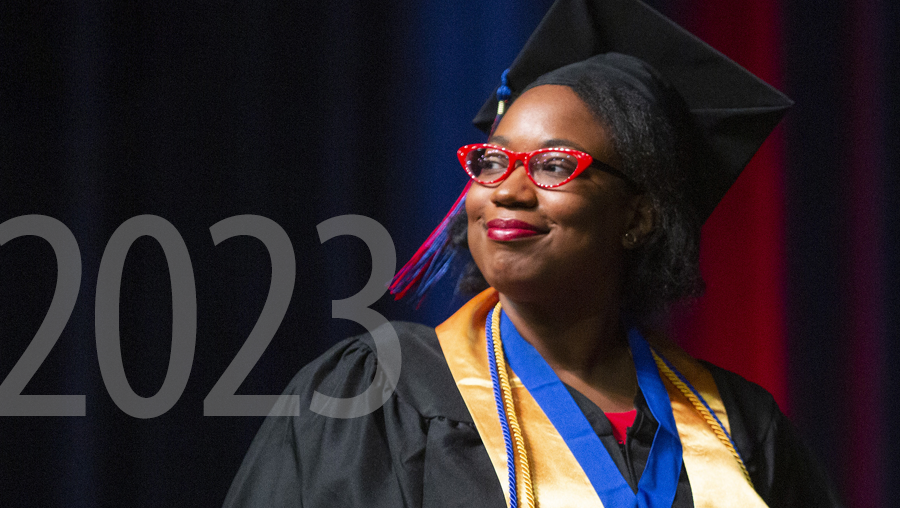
(532, 243)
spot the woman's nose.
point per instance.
(517, 190)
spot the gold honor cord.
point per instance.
(506, 393)
(701, 409)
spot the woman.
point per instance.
(583, 222)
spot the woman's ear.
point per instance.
(642, 223)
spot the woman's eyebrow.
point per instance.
(550, 143)
(561, 142)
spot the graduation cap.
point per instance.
(734, 110)
(627, 41)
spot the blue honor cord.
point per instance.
(501, 411)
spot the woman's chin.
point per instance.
(520, 288)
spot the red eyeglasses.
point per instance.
(548, 167)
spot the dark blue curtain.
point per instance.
(302, 111)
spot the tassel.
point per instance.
(431, 261)
(434, 257)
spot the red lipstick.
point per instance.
(504, 230)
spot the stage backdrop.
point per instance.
(303, 111)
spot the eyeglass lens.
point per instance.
(546, 168)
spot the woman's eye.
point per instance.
(557, 166)
(493, 163)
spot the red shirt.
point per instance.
(620, 423)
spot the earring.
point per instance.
(630, 238)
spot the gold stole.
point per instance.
(716, 479)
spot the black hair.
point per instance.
(658, 144)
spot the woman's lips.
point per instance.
(505, 230)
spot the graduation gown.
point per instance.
(422, 449)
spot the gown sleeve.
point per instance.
(784, 472)
(312, 460)
(420, 449)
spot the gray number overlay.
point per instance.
(356, 308)
(184, 316)
(68, 282)
(222, 400)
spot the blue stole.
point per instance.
(659, 480)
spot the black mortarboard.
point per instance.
(734, 110)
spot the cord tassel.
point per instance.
(503, 95)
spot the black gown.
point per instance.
(421, 449)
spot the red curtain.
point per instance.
(739, 323)
(864, 369)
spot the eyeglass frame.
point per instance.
(585, 160)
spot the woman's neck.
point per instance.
(587, 349)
